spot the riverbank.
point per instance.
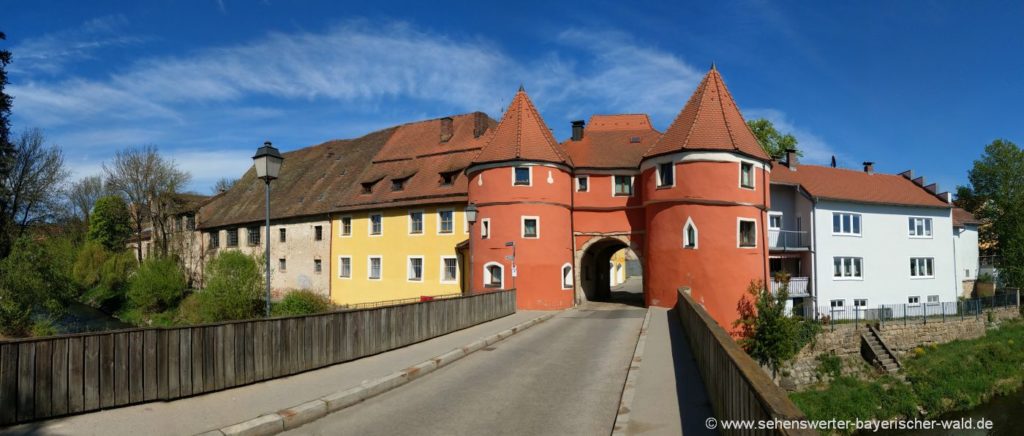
(943, 378)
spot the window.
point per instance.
(531, 227)
(494, 275)
(282, 235)
(933, 299)
(623, 186)
(374, 267)
(775, 221)
(415, 269)
(448, 178)
(748, 233)
(922, 267)
(582, 183)
(913, 301)
(746, 175)
(398, 184)
(521, 176)
(346, 226)
(318, 233)
(845, 223)
(368, 187)
(860, 303)
(344, 267)
(690, 234)
(376, 224)
(232, 237)
(449, 269)
(847, 268)
(967, 273)
(566, 276)
(838, 304)
(254, 235)
(190, 222)
(179, 222)
(445, 221)
(282, 264)
(920, 227)
(318, 266)
(485, 228)
(416, 222)
(215, 239)
(666, 175)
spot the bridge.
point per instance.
(610, 367)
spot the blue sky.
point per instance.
(910, 85)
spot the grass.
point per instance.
(955, 376)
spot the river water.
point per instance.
(83, 318)
(1006, 413)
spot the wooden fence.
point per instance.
(59, 375)
(738, 388)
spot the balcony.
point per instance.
(798, 286)
(788, 240)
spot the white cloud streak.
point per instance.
(51, 52)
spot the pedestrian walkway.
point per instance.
(670, 398)
(219, 409)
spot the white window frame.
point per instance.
(369, 267)
(833, 306)
(632, 185)
(933, 303)
(485, 228)
(852, 215)
(584, 177)
(686, 234)
(919, 262)
(914, 300)
(408, 269)
(439, 211)
(423, 222)
(487, 276)
(522, 226)
(926, 226)
(443, 270)
(657, 175)
(739, 235)
(340, 269)
(860, 306)
(529, 172)
(772, 215)
(341, 226)
(572, 280)
(842, 268)
(369, 224)
(753, 173)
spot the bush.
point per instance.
(34, 279)
(234, 288)
(829, 365)
(301, 302)
(156, 286)
(189, 311)
(89, 264)
(109, 292)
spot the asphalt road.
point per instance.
(561, 377)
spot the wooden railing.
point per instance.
(738, 388)
(59, 375)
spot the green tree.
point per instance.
(997, 193)
(773, 142)
(7, 154)
(110, 223)
(766, 332)
(34, 279)
(234, 288)
(157, 285)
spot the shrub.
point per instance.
(34, 278)
(156, 286)
(115, 272)
(189, 312)
(829, 365)
(234, 286)
(301, 302)
(89, 264)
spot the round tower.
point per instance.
(705, 190)
(521, 185)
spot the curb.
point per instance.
(298, 415)
(629, 388)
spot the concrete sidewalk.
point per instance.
(219, 409)
(670, 397)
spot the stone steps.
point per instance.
(877, 353)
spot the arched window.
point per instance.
(567, 276)
(494, 275)
(690, 234)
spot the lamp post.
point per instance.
(268, 165)
(514, 272)
(471, 212)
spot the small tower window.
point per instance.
(485, 228)
(666, 175)
(747, 233)
(522, 176)
(747, 175)
(690, 234)
(623, 186)
(566, 276)
(531, 227)
(582, 184)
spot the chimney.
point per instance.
(577, 130)
(791, 159)
(446, 129)
(479, 124)
(869, 167)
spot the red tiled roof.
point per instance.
(607, 142)
(424, 137)
(962, 217)
(852, 185)
(709, 121)
(522, 135)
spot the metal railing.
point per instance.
(779, 239)
(921, 313)
(798, 286)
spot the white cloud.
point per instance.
(816, 150)
(49, 53)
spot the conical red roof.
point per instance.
(709, 121)
(522, 135)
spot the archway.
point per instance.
(610, 271)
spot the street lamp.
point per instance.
(470, 212)
(268, 165)
(514, 272)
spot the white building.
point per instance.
(965, 239)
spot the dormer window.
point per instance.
(368, 187)
(398, 184)
(448, 178)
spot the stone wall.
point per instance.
(844, 343)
